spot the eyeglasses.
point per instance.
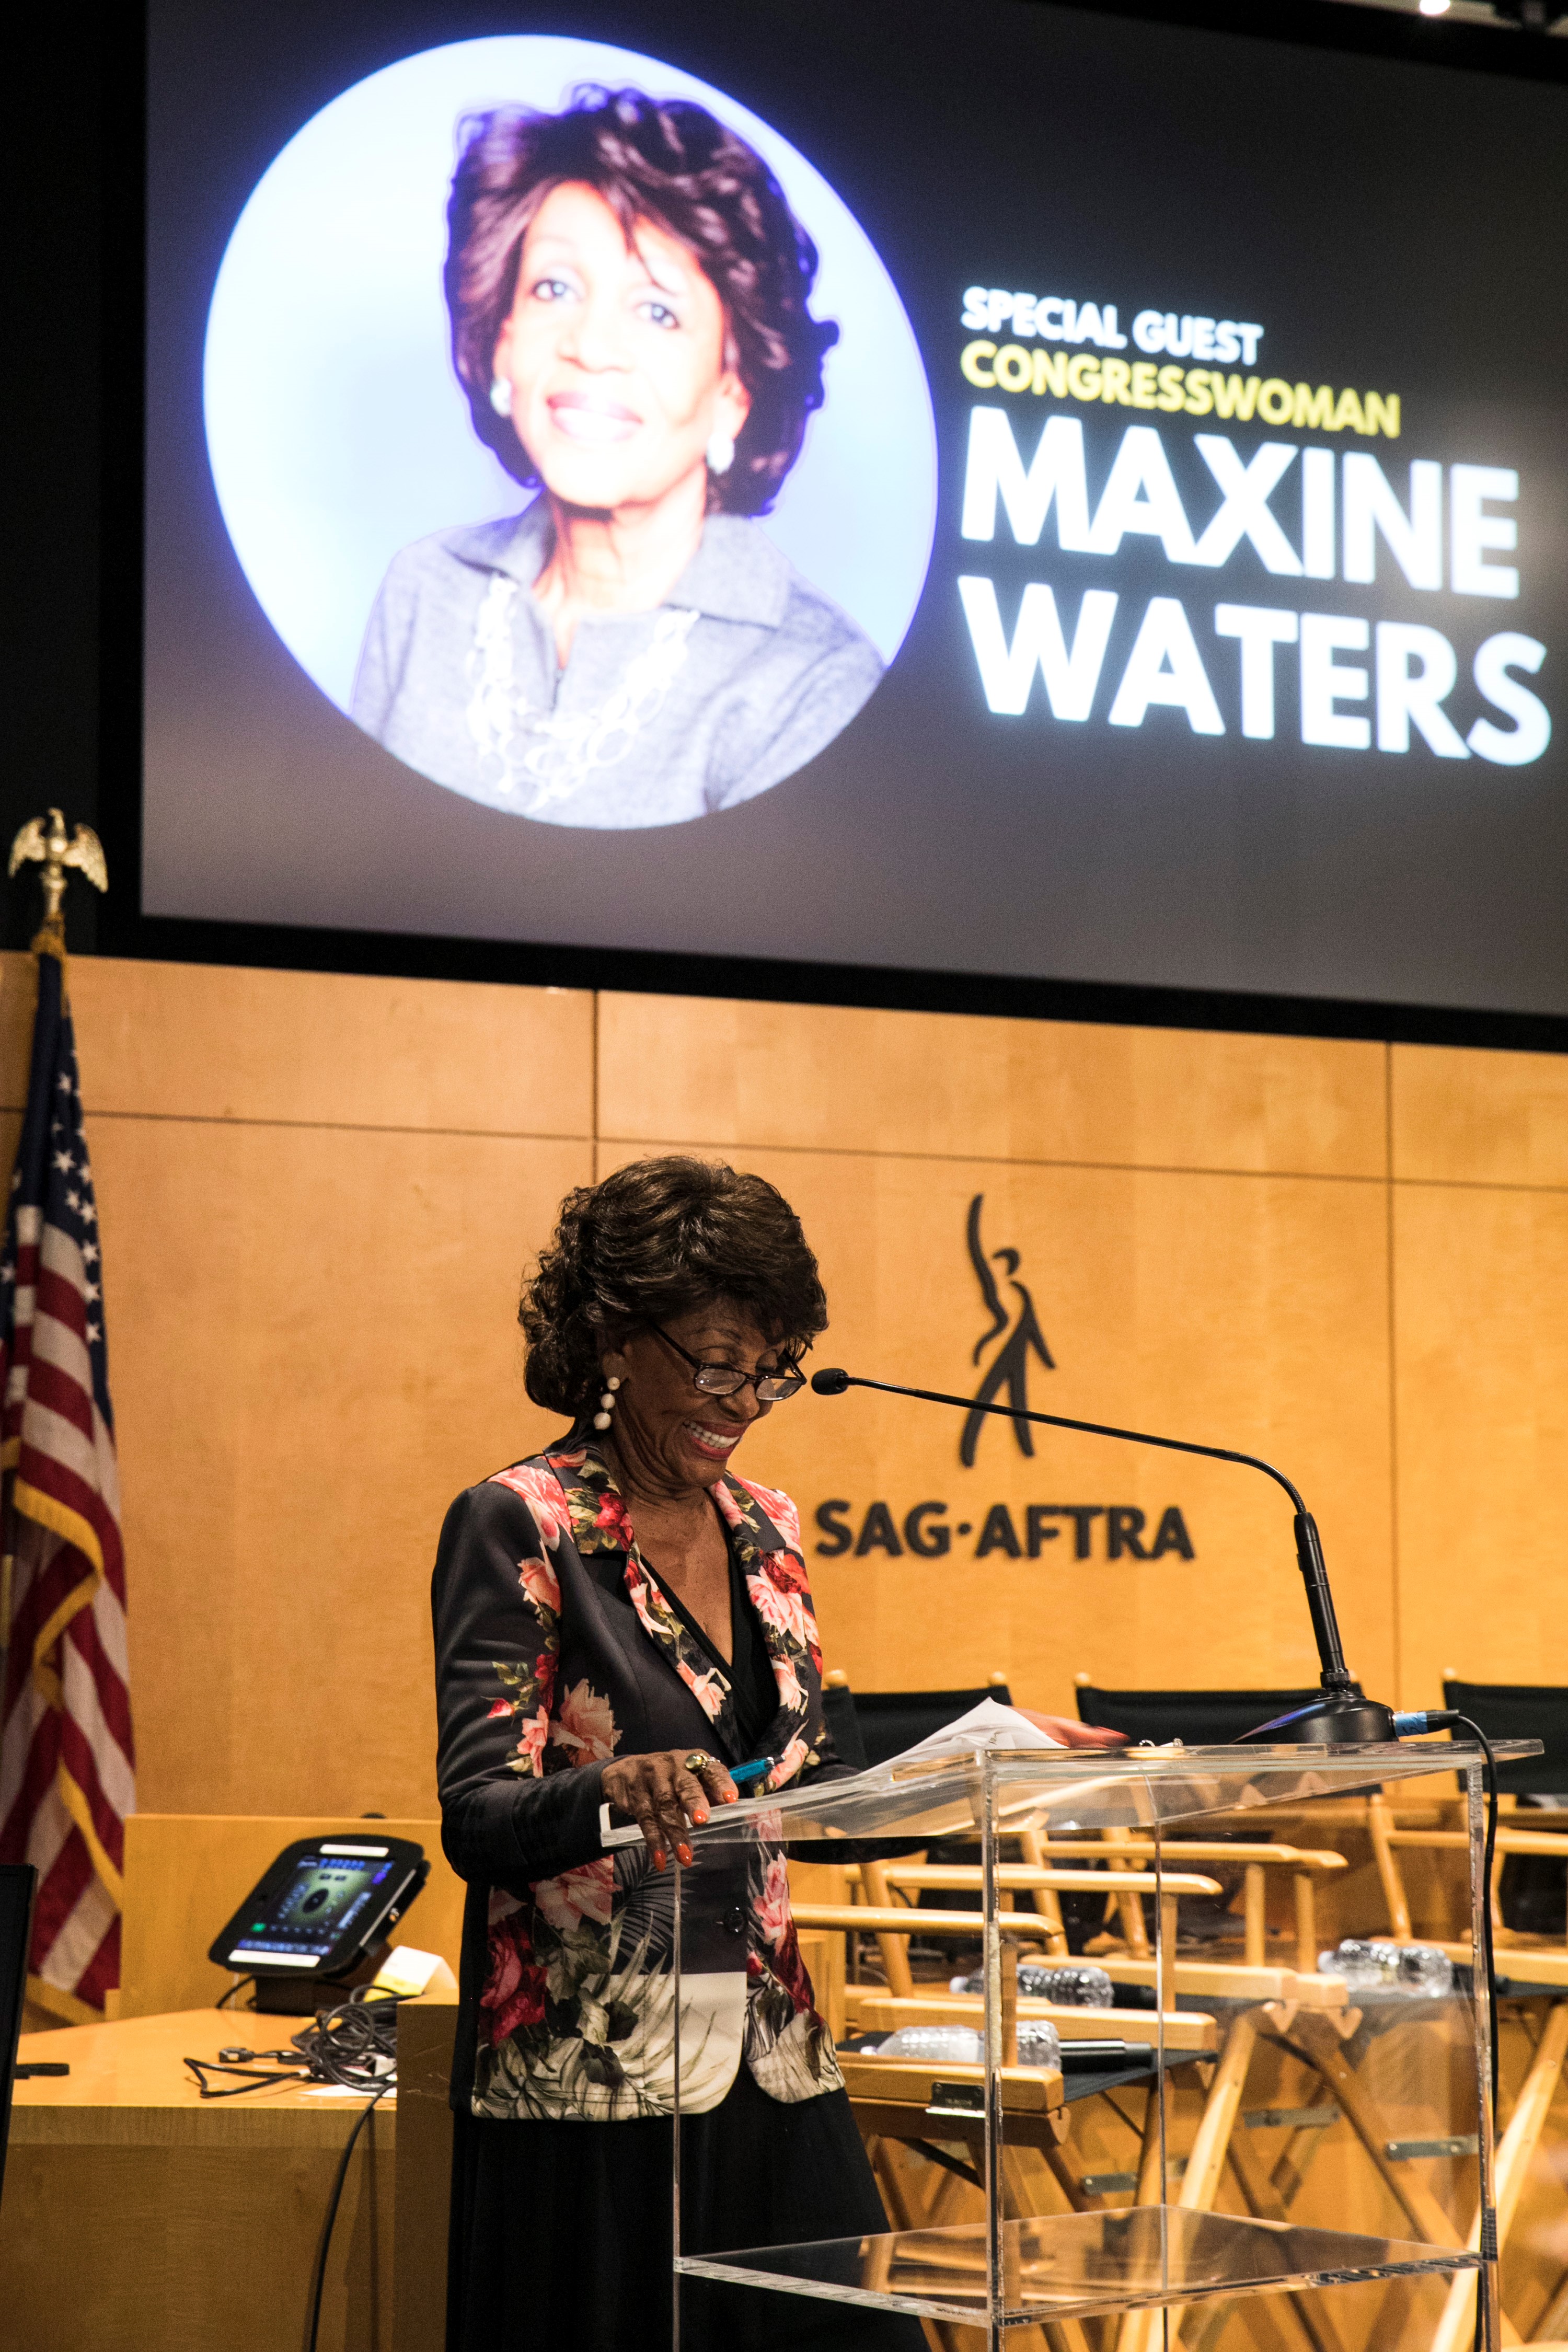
(723, 1379)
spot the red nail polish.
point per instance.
(657, 1860)
(699, 1817)
(685, 1854)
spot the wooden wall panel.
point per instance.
(1481, 1322)
(740, 1075)
(1477, 1118)
(19, 990)
(1241, 1310)
(196, 1041)
(200, 1043)
(313, 1350)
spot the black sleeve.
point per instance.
(829, 1766)
(826, 1764)
(501, 1824)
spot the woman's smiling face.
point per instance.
(616, 356)
(670, 1436)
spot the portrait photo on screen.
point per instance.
(590, 399)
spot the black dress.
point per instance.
(561, 2231)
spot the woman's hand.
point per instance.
(1073, 1735)
(662, 1793)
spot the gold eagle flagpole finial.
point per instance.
(44, 840)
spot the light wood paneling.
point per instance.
(1481, 1309)
(18, 994)
(313, 1347)
(194, 1041)
(822, 1077)
(1472, 1117)
(1235, 1310)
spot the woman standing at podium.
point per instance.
(618, 1621)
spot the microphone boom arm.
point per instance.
(1343, 1699)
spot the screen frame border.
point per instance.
(107, 788)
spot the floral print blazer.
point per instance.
(554, 1651)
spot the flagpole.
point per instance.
(67, 1745)
(44, 840)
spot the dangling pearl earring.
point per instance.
(500, 395)
(607, 1402)
(720, 452)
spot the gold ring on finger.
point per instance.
(697, 1761)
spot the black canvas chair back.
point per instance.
(843, 1724)
(1201, 1719)
(17, 1882)
(890, 1721)
(1520, 1711)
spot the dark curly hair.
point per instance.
(667, 162)
(651, 1242)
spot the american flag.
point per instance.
(67, 1775)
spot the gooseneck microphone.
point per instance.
(1342, 1717)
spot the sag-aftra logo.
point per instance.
(1011, 1343)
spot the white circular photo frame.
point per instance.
(337, 430)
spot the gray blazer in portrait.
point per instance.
(744, 674)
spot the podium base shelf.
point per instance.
(1076, 2265)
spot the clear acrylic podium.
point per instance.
(1280, 2131)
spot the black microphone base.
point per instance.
(1339, 1719)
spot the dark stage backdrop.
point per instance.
(1193, 456)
